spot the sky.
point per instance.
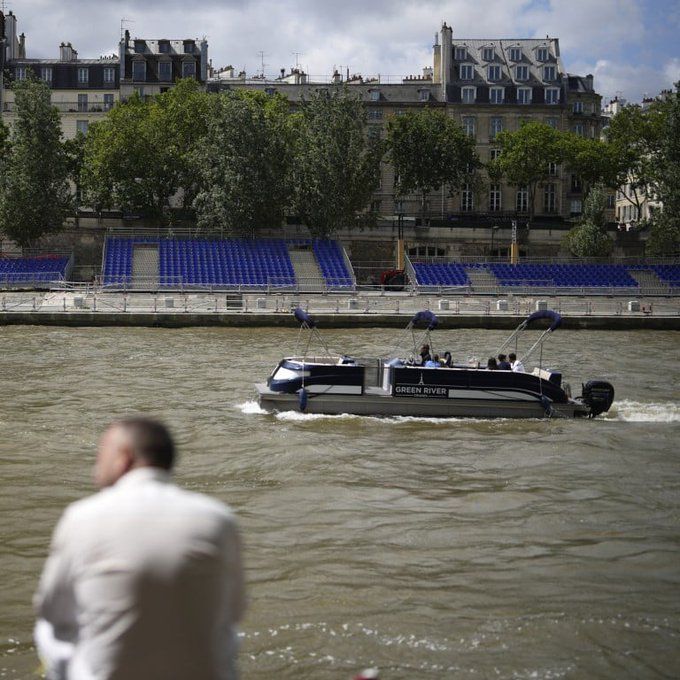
(630, 46)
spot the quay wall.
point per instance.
(167, 319)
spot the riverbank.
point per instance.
(362, 310)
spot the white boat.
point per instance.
(396, 386)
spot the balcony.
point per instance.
(68, 107)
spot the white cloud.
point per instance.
(389, 37)
(671, 71)
(630, 81)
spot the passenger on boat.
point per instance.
(434, 362)
(448, 360)
(515, 364)
(425, 355)
(492, 364)
(503, 363)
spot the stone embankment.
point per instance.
(361, 310)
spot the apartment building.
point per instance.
(84, 90)
(487, 86)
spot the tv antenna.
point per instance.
(297, 56)
(262, 55)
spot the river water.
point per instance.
(430, 549)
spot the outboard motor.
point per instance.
(598, 396)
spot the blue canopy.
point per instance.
(304, 317)
(425, 317)
(554, 318)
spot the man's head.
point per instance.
(501, 357)
(132, 443)
(512, 356)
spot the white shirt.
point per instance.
(517, 366)
(144, 580)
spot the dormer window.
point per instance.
(521, 72)
(466, 72)
(549, 73)
(515, 54)
(542, 54)
(487, 54)
(163, 46)
(461, 53)
(189, 46)
(374, 95)
(46, 74)
(494, 72)
(139, 46)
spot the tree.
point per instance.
(336, 166)
(34, 196)
(664, 239)
(526, 155)
(74, 156)
(592, 160)
(138, 158)
(631, 139)
(589, 238)
(429, 150)
(242, 164)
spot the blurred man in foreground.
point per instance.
(144, 580)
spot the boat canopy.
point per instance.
(554, 318)
(425, 317)
(304, 317)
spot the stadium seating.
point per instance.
(540, 275)
(32, 270)
(563, 275)
(446, 274)
(225, 263)
(332, 264)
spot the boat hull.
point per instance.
(382, 403)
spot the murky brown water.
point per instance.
(509, 549)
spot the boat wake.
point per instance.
(644, 412)
(253, 408)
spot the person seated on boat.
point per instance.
(425, 355)
(516, 365)
(503, 363)
(434, 362)
(492, 364)
(448, 360)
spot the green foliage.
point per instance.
(526, 155)
(139, 157)
(336, 166)
(429, 150)
(34, 194)
(631, 137)
(589, 238)
(664, 236)
(74, 156)
(242, 164)
(591, 159)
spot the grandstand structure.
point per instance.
(152, 263)
(35, 272)
(545, 278)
